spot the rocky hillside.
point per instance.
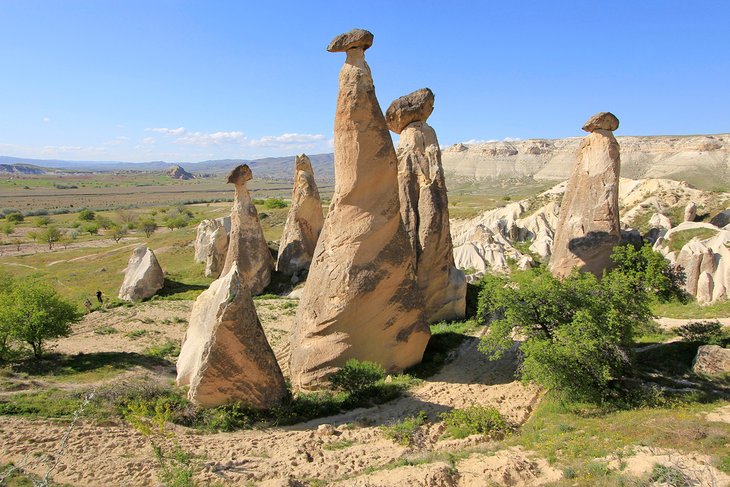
(21, 169)
(703, 160)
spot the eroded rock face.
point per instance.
(690, 212)
(247, 246)
(361, 299)
(211, 244)
(712, 360)
(425, 207)
(143, 276)
(225, 356)
(588, 226)
(303, 222)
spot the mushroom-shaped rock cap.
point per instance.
(240, 175)
(414, 107)
(601, 121)
(302, 163)
(350, 40)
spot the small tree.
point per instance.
(104, 222)
(118, 233)
(91, 228)
(36, 313)
(8, 228)
(6, 287)
(16, 217)
(50, 235)
(87, 215)
(42, 221)
(148, 226)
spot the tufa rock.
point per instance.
(690, 212)
(177, 172)
(225, 356)
(711, 360)
(414, 107)
(722, 219)
(355, 39)
(361, 298)
(211, 244)
(247, 247)
(143, 276)
(601, 121)
(425, 210)
(303, 222)
(588, 226)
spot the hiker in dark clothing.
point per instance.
(99, 297)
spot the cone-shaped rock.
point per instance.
(588, 226)
(361, 298)
(143, 276)
(225, 356)
(303, 222)
(425, 206)
(247, 246)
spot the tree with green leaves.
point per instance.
(118, 232)
(148, 226)
(42, 221)
(87, 215)
(16, 217)
(90, 228)
(34, 313)
(50, 235)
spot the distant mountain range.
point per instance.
(270, 167)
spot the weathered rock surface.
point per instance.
(712, 360)
(247, 246)
(211, 244)
(722, 219)
(588, 226)
(225, 356)
(303, 222)
(690, 212)
(361, 299)
(425, 207)
(601, 121)
(143, 276)
(178, 172)
(705, 259)
(355, 39)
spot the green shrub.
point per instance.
(87, 215)
(273, 203)
(404, 431)
(667, 475)
(163, 350)
(702, 332)
(14, 217)
(356, 377)
(474, 420)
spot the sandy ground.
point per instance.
(116, 454)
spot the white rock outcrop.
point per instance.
(211, 244)
(143, 276)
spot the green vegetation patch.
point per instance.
(404, 432)
(475, 420)
(679, 239)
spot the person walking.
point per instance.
(99, 296)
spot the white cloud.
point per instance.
(117, 140)
(490, 141)
(77, 150)
(203, 138)
(148, 140)
(46, 119)
(164, 130)
(286, 140)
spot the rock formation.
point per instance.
(143, 276)
(178, 172)
(303, 222)
(711, 360)
(247, 246)
(361, 298)
(690, 212)
(225, 356)
(211, 244)
(425, 206)
(588, 225)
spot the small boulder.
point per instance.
(350, 40)
(690, 212)
(601, 121)
(712, 360)
(143, 276)
(414, 107)
(722, 219)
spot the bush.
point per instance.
(87, 215)
(42, 221)
(474, 420)
(90, 228)
(356, 377)
(274, 203)
(31, 312)
(650, 272)
(404, 431)
(702, 332)
(14, 217)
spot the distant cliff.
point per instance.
(703, 160)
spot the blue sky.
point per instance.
(195, 80)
